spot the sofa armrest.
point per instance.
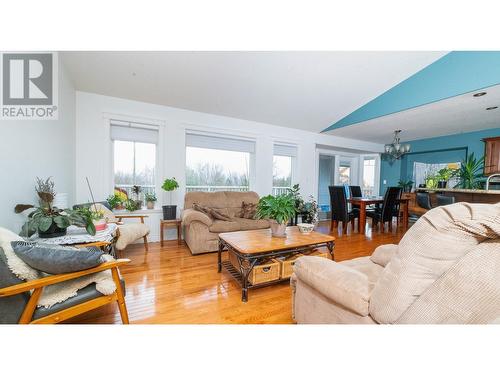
(383, 254)
(341, 284)
(189, 215)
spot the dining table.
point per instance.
(364, 202)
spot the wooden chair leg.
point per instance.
(331, 225)
(146, 243)
(344, 227)
(390, 225)
(119, 293)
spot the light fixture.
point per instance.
(396, 149)
(490, 108)
(477, 95)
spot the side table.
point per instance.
(170, 223)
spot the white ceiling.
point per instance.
(305, 90)
(460, 114)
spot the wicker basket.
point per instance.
(287, 265)
(262, 273)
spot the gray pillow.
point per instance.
(56, 259)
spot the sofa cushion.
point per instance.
(430, 247)
(221, 226)
(364, 265)
(248, 210)
(251, 224)
(220, 199)
(56, 259)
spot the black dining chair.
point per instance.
(423, 200)
(340, 208)
(355, 193)
(389, 206)
(444, 200)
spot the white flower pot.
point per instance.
(277, 230)
(150, 205)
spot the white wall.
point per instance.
(37, 148)
(93, 147)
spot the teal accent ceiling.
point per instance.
(454, 74)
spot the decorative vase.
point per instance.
(277, 230)
(150, 205)
(100, 224)
(169, 212)
(442, 184)
(53, 231)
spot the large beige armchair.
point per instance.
(201, 232)
(446, 269)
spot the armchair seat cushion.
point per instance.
(85, 294)
(129, 233)
(347, 283)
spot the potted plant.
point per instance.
(170, 211)
(309, 211)
(131, 205)
(94, 215)
(470, 172)
(116, 200)
(431, 181)
(442, 176)
(48, 220)
(406, 185)
(279, 210)
(150, 200)
(136, 189)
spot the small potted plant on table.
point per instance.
(279, 210)
(170, 211)
(150, 200)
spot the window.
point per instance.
(368, 186)
(134, 157)
(344, 174)
(283, 168)
(217, 163)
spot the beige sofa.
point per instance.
(446, 269)
(201, 231)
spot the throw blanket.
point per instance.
(56, 293)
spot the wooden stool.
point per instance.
(170, 223)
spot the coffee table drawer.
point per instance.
(262, 273)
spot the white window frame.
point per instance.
(289, 150)
(109, 177)
(231, 142)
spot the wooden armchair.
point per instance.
(87, 298)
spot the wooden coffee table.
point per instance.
(252, 246)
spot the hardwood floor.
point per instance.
(169, 285)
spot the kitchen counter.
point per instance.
(465, 195)
(469, 191)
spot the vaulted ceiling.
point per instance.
(305, 90)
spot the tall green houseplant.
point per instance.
(470, 172)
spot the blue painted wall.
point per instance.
(434, 153)
(454, 74)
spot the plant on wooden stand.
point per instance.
(470, 172)
(170, 211)
(279, 210)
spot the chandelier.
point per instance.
(396, 149)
